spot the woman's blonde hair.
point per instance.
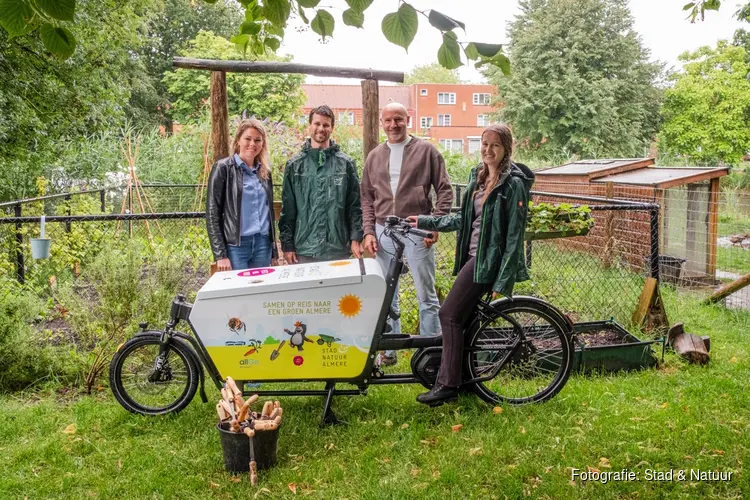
(262, 156)
(506, 140)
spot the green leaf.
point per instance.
(211, 1)
(64, 10)
(15, 16)
(303, 16)
(488, 49)
(308, 4)
(443, 22)
(58, 40)
(353, 18)
(360, 5)
(400, 27)
(275, 30)
(500, 60)
(449, 53)
(323, 23)
(272, 43)
(240, 39)
(471, 51)
(711, 4)
(258, 48)
(688, 6)
(251, 28)
(276, 11)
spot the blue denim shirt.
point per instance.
(254, 213)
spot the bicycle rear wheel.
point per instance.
(141, 386)
(534, 360)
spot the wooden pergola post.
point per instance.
(219, 115)
(370, 116)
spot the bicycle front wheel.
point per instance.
(533, 353)
(144, 384)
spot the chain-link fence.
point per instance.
(593, 277)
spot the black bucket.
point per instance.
(670, 268)
(239, 449)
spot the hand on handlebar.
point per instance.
(414, 222)
(428, 242)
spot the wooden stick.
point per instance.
(267, 408)
(266, 425)
(277, 420)
(235, 426)
(248, 432)
(729, 289)
(227, 407)
(253, 473)
(223, 415)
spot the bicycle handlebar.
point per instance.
(402, 226)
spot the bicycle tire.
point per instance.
(184, 389)
(536, 370)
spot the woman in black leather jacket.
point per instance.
(239, 208)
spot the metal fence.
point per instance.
(592, 277)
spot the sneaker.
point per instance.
(388, 360)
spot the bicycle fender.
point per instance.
(563, 320)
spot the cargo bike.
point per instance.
(326, 322)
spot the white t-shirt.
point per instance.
(397, 156)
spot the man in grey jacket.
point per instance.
(397, 180)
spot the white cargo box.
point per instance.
(297, 322)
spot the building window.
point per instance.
(483, 120)
(474, 144)
(346, 117)
(481, 99)
(422, 92)
(409, 124)
(425, 122)
(444, 120)
(454, 145)
(446, 98)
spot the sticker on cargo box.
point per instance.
(256, 272)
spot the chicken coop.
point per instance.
(688, 197)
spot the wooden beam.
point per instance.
(729, 289)
(713, 226)
(370, 115)
(286, 67)
(219, 115)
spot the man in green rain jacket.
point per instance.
(321, 215)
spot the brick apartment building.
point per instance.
(452, 115)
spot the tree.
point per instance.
(264, 25)
(274, 96)
(582, 83)
(707, 112)
(431, 73)
(46, 100)
(169, 30)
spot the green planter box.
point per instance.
(631, 353)
(546, 235)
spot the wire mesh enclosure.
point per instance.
(685, 235)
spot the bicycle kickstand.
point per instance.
(329, 418)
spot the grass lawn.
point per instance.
(675, 417)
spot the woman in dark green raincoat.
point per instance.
(489, 249)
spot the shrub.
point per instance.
(23, 360)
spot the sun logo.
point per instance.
(339, 263)
(350, 305)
